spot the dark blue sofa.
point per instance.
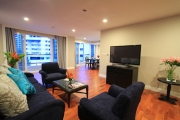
(42, 105)
(116, 104)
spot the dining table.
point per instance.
(93, 62)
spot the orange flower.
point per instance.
(13, 57)
(69, 75)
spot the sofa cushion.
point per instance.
(23, 83)
(4, 70)
(39, 87)
(17, 72)
(104, 100)
(32, 80)
(41, 97)
(55, 76)
(5, 66)
(12, 101)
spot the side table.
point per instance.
(167, 97)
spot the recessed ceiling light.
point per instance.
(73, 30)
(84, 38)
(26, 19)
(105, 20)
(84, 10)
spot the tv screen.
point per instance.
(128, 54)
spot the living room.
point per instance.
(159, 38)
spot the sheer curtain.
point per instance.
(61, 45)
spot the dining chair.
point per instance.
(87, 61)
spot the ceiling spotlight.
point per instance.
(84, 38)
(105, 20)
(73, 30)
(26, 19)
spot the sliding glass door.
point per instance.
(83, 50)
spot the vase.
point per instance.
(70, 79)
(170, 76)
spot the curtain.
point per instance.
(61, 45)
(10, 41)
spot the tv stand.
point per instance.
(121, 76)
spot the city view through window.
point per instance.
(38, 49)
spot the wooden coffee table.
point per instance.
(63, 85)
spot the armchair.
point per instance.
(116, 104)
(50, 71)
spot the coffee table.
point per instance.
(63, 85)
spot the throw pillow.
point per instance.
(23, 83)
(17, 72)
(12, 101)
(5, 66)
(4, 70)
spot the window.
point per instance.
(37, 49)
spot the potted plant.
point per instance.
(171, 64)
(13, 58)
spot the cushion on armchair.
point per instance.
(50, 67)
(55, 76)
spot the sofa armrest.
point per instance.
(50, 110)
(114, 90)
(44, 74)
(63, 71)
(97, 111)
(29, 74)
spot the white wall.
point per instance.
(71, 52)
(159, 39)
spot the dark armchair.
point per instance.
(50, 71)
(116, 104)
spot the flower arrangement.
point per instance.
(171, 63)
(69, 75)
(13, 58)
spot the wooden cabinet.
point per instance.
(121, 76)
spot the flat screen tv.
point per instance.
(126, 55)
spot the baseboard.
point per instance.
(71, 68)
(160, 90)
(101, 75)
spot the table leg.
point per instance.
(87, 91)
(69, 96)
(53, 88)
(167, 97)
(168, 91)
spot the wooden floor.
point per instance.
(150, 108)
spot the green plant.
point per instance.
(13, 58)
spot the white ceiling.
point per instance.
(59, 17)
